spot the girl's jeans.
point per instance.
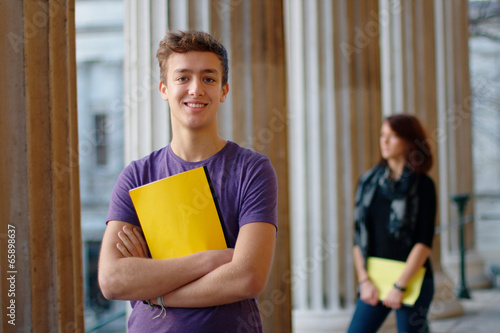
(368, 318)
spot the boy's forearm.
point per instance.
(243, 278)
(140, 278)
(221, 286)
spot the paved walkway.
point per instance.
(481, 314)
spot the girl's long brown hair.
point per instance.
(418, 151)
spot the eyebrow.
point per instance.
(207, 70)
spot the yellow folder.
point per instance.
(179, 215)
(384, 272)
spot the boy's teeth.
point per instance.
(193, 105)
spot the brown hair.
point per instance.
(192, 40)
(418, 151)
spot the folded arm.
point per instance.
(245, 276)
(138, 278)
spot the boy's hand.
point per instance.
(132, 243)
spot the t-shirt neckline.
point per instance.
(202, 162)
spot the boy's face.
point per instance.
(194, 89)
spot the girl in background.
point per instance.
(395, 211)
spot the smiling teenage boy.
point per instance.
(209, 291)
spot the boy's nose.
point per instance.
(195, 88)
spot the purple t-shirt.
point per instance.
(245, 186)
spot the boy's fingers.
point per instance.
(135, 240)
(123, 250)
(127, 243)
(142, 241)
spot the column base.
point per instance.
(317, 321)
(445, 303)
(475, 275)
(331, 321)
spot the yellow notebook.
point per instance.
(384, 272)
(179, 215)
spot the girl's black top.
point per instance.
(382, 244)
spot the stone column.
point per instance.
(453, 136)
(335, 116)
(410, 85)
(254, 114)
(147, 124)
(41, 279)
(343, 47)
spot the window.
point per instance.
(100, 139)
(99, 55)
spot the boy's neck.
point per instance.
(197, 148)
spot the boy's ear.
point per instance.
(225, 90)
(163, 91)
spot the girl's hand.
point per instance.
(132, 243)
(369, 293)
(393, 299)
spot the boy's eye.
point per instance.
(209, 80)
(182, 78)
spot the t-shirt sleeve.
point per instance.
(260, 195)
(121, 207)
(426, 218)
